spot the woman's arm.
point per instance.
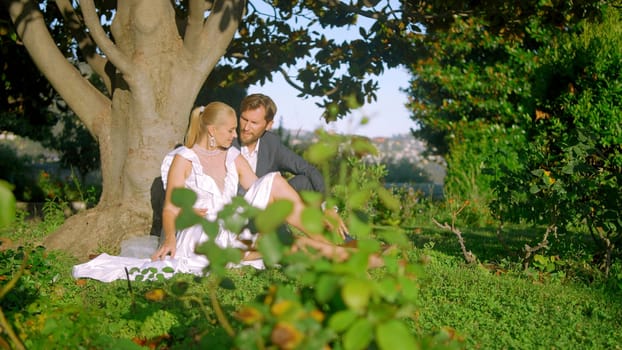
(177, 175)
(246, 175)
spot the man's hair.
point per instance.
(254, 101)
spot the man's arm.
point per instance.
(286, 160)
(278, 157)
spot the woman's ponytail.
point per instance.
(194, 127)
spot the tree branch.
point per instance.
(543, 244)
(286, 76)
(85, 43)
(194, 25)
(468, 255)
(218, 30)
(122, 63)
(81, 96)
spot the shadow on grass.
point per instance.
(488, 245)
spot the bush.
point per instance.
(479, 153)
(571, 171)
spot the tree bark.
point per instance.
(154, 85)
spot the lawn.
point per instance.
(493, 304)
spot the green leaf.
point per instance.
(179, 288)
(568, 169)
(326, 287)
(382, 312)
(394, 335)
(388, 199)
(7, 204)
(183, 197)
(540, 259)
(187, 217)
(359, 336)
(227, 283)
(388, 289)
(210, 228)
(342, 320)
(312, 198)
(271, 248)
(235, 222)
(358, 199)
(122, 344)
(273, 216)
(219, 257)
(361, 228)
(356, 294)
(320, 153)
(394, 235)
(363, 146)
(409, 288)
(313, 220)
(49, 327)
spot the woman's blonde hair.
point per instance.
(202, 117)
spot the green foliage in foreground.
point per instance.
(7, 204)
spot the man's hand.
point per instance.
(333, 219)
(200, 211)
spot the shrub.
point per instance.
(571, 171)
(479, 153)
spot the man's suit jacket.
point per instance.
(273, 155)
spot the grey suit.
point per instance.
(273, 155)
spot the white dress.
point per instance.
(107, 268)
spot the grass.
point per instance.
(510, 311)
(490, 305)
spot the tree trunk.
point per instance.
(154, 80)
(131, 159)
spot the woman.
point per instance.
(208, 165)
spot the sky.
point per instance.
(387, 116)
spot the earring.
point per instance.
(212, 141)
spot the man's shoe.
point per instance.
(348, 238)
(349, 241)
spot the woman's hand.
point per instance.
(167, 248)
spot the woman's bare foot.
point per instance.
(375, 261)
(251, 255)
(341, 253)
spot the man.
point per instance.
(264, 150)
(266, 153)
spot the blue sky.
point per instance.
(387, 116)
